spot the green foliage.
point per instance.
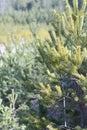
(19, 75)
(28, 11)
(44, 86)
(69, 25)
(15, 74)
(60, 59)
(8, 116)
(63, 58)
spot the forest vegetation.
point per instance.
(43, 64)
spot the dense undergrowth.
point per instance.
(43, 81)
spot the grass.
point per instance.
(10, 32)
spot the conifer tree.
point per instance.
(63, 58)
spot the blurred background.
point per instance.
(26, 18)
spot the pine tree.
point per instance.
(63, 58)
(69, 25)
